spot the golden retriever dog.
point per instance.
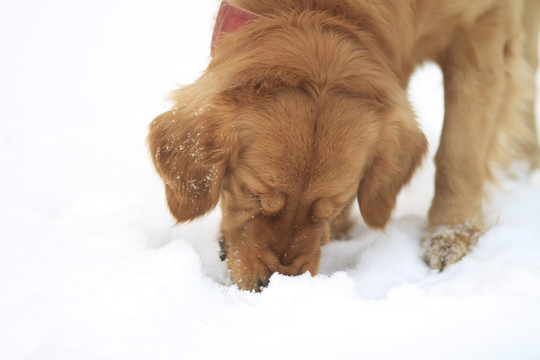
(303, 109)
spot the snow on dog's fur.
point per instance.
(305, 109)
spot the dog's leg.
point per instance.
(515, 135)
(474, 80)
(531, 26)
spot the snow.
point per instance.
(92, 266)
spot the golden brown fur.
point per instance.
(305, 110)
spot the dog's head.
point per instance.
(288, 126)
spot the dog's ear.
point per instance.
(190, 152)
(399, 152)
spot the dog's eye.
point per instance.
(248, 193)
(270, 203)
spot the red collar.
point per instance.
(229, 19)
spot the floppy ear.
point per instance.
(399, 153)
(191, 155)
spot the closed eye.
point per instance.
(245, 199)
(271, 203)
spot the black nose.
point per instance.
(222, 250)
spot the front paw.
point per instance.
(446, 245)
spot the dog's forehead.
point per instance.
(298, 140)
(295, 151)
(290, 168)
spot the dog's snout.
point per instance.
(252, 257)
(285, 264)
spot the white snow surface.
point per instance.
(93, 267)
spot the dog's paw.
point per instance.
(446, 245)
